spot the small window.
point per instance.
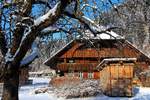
(70, 61)
(81, 75)
(90, 75)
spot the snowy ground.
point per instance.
(25, 93)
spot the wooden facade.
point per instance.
(81, 57)
(116, 76)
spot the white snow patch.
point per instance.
(8, 56)
(87, 5)
(108, 35)
(100, 31)
(40, 80)
(27, 32)
(49, 29)
(88, 20)
(43, 96)
(46, 16)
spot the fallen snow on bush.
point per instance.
(85, 88)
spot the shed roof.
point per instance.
(108, 60)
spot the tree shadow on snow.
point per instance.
(135, 91)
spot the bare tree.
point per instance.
(21, 24)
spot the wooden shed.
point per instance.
(116, 76)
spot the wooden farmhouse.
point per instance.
(82, 57)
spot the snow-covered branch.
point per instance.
(27, 7)
(39, 24)
(52, 15)
(87, 5)
(34, 54)
(49, 30)
(52, 29)
(41, 20)
(90, 24)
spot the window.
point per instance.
(71, 61)
(90, 75)
(81, 75)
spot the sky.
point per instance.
(102, 6)
(88, 12)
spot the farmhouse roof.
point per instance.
(88, 36)
(107, 35)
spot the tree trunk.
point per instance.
(11, 84)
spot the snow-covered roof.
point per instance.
(137, 49)
(58, 51)
(88, 35)
(107, 35)
(110, 35)
(113, 60)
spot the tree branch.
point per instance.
(27, 7)
(42, 2)
(3, 42)
(44, 21)
(52, 15)
(31, 57)
(51, 29)
(19, 30)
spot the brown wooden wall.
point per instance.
(101, 52)
(77, 66)
(116, 79)
(90, 57)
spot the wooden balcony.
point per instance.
(77, 66)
